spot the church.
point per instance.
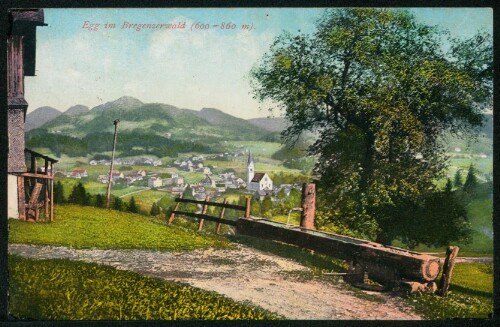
(257, 181)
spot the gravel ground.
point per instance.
(243, 274)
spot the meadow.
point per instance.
(69, 290)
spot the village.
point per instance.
(210, 184)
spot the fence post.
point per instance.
(308, 205)
(172, 215)
(449, 264)
(203, 212)
(217, 229)
(247, 208)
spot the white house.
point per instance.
(257, 181)
(155, 181)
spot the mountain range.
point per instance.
(160, 129)
(144, 128)
(79, 120)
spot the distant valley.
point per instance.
(165, 130)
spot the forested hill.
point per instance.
(153, 128)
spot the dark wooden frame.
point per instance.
(203, 216)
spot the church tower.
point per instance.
(250, 168)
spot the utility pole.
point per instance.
(112, 163)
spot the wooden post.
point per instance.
(217, 229)
(308, 205)
(203, 212)
(46, 199)
(449, 264)
(21, 200)
(172, 215)
(33, 163)
(110, 177)
(248, 207)
(52, 192)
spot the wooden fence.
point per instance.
(203, 215)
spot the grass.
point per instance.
(63, 290)
(470, 295)
(88, 227)
(145, 199)
(258, 148)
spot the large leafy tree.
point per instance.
(378, 90)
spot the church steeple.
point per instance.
(250, 168)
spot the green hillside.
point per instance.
(156, 129)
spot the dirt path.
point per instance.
(244, 274)
(139, 191)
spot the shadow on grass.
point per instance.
(468, 291)
(317, 262)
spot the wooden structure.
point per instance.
(394, 268)
(24, 184)
(36, 188)
(384, 264)
(203, 215)
(308, 205)
(449, 264)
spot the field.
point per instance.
(145, 199)
(86, 291)
(261, 149)
(88, 227)
(470, 295)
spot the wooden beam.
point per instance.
(46, 198)
(383, 263)
(248, 207)
(207, 217)
(221, 216)
(203, 212)
(214, 204)
(51, 193)
(21, 200)
(41, 176)
(449, 264)
(308, 205)
(172, 215)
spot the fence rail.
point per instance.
(206, 203)
(213, 204)
(207, 217)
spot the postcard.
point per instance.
(250, 163)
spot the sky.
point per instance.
(204, 64)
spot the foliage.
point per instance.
(155, 210)
(90, 227)
(442, 219)
(471, 180)
(266, 206)
(79, 195)
(68, 290)
(458, 179)
(118, 204)
(127, 143)
(59, 193)
(448, 187)
(378, 90)
(470, 295)
(100, 201)
(132, 206)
